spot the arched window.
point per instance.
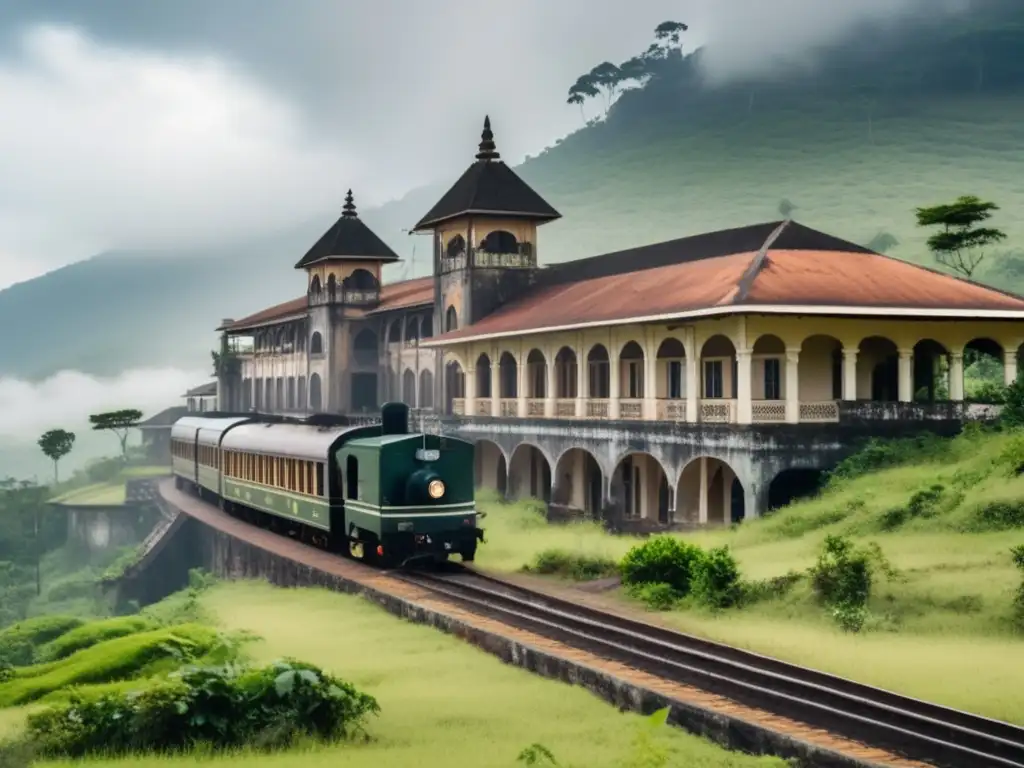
(500, 241)
(314, 392)
(451, 320)
(316, 344)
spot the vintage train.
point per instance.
(375, 492)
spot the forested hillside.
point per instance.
(887, 122)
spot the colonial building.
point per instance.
(202, 398)
(695, 381)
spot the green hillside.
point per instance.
(883, 126)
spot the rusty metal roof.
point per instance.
(404, 294)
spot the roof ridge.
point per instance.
(746, 281)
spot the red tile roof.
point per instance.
(727, 284)
(418, 291)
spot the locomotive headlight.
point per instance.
(435, 489)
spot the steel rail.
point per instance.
(906, 726)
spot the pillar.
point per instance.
(1009, 366)
(693, 392)
(744, 405)
(850, 373)
(956, 376)
(651, 378)
(469, 401)
(906, 375)
(550, 385)
(792, 386)
(522, 379)
(582, 380)
(614, 382)
(702, 505)
(495, 382)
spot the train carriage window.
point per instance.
(319, 478)
(352, 477)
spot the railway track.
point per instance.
(914, 729)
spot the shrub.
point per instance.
(842, 579)
(658, 597)
(662, 560)
(877, 454)
(770, 589)
(91, 634)
(924, 503)
(122, 658)
(1017, 553)
(997, 516)
(579, 567)
(716, 579)
(225, 707)
(19, 641)
(1012, 415)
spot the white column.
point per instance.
(651, 379)
(702, 506)
(906, 375)
(792, 386)
(582, 379)
(495, 382)
(849, 373)
(614, 380)
(1010, 366)
(522, 380)
(693, 391)
(956, 376)
(469, 401)
(744, 404)
(550, 385)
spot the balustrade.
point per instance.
(565, 408)
(508, 407)
(671, 410)
(535, 408)
(768, 411)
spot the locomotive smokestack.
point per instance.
(394, 419)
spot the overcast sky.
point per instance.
(174, 123)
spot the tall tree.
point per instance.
(118, 422)
(56, 444)
(960, 243)
(607, 77)
(584, 88)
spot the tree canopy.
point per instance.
(56, 444)
(960, 243)
(118, 422)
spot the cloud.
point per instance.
(751, 38)
(66, 399)
(106, 147)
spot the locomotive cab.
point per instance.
(408, 496)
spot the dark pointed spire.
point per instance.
(348, 210)
(488, 151)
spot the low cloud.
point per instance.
(65, 400)
(109, 147)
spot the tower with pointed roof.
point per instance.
(485, 238)
(343, 281)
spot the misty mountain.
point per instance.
(892, 120)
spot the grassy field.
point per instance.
(938, 629)
(443, 702)
(95, 495)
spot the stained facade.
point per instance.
(698, 381)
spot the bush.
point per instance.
(997, 516)
(842, 580)
(880, 454)
(1017, 553)
(662, 560)
(91, 634)
(924, 503)
(770, 589)
(580, 567)
(1012, 415)
(716, 579)
(225, 707)
(19, 641)
(122, 658)
(658, 597)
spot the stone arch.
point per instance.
(314, 286)
(718, 368)
(395, 332)
(455, 247)
(536, 375)
(361, 280)
(598, 372)
(500, 241)
(984, 369)
(451, 319)
(409, 388)
(878, 369)
(709, 491)
(508, 376)
(579, 482)
(566, 374)
(768, 371)
(412, 328)
(426, 329)
(316, 343)
(820, 368)
(640, 488)
(793, 484)
(315, 395)
(454, 385)
(332, 286)
(631, 378)
(529, 473)
(426, 389)
(930, 371)
(491, 466)
(483, 376)
(671, 364)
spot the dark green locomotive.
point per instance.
(378, 492)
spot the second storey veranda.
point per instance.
(740, 369)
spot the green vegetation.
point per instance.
(55, 445)
(95, 495)
(235, 695)
(908, 561)
(120, 423)
(80, 637)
